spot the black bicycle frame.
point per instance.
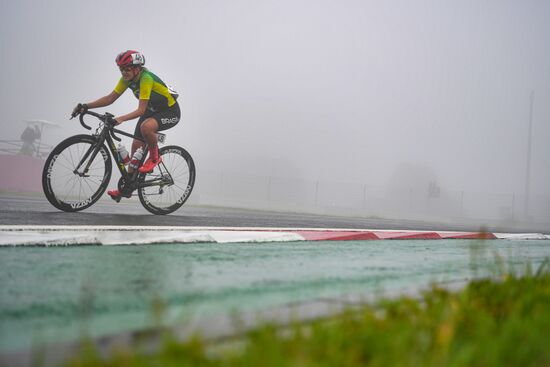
(108, 135)
(129, 177)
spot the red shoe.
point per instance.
(116, 195)
(149, 165)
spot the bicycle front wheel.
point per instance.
(169, 185)
(76, 173)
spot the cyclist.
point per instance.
(157, 110)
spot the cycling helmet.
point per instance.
(128, 58)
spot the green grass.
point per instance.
(502, 322)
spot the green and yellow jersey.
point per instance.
(149, 87)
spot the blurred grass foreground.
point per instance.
(491, 322)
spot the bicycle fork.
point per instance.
(92, 153)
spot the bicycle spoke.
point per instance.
(166, 198)
(72, 191)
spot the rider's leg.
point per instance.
(136, 144)
(149, 130)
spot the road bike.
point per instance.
(78, 171)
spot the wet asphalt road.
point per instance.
(36, 210)
(208, 280)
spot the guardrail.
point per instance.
(17, 147)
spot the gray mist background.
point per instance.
(331, 106)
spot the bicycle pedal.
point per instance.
(116, 198)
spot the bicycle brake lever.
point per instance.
(109, 119)
(114, 136)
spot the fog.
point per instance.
(352, 107)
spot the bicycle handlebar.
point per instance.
(107, 118)
(81, 118)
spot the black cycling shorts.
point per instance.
(166, 119)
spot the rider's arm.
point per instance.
(142, 107)
(145, 88)
(104, 101)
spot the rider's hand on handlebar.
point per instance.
(80, 108)
(110, 120)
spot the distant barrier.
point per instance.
(21, 173)
(17, 147)
(342, 198)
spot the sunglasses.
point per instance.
(126, 69)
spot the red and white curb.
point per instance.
(134, 235)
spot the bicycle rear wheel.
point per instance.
(66, 182)
(169, 185)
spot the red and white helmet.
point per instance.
(128, 58)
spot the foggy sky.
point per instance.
(349, 91)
